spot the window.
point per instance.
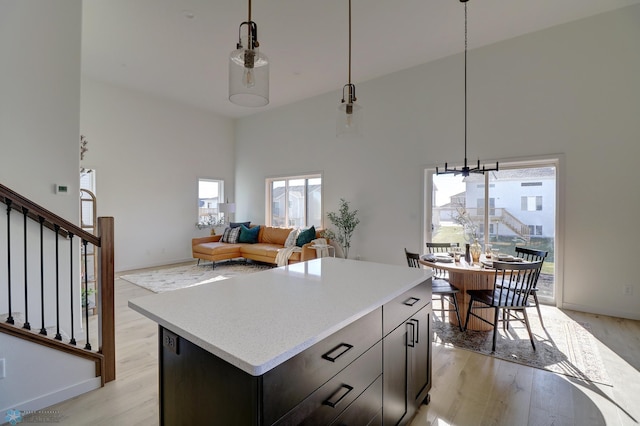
(531, 203)
(294, 201)
(210, 193)
(535, 230)
(503, 208)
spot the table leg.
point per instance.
(464, 282)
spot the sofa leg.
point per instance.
(213, 264)
(198, 264)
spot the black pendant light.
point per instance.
(248, 69)
(465, 170)
(349, 113)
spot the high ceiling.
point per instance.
(179, 49)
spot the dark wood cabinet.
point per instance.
(407, 364)
(373, 371)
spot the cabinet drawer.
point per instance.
(288, 384)
(328, 402)
(364, 410)
(404, 306)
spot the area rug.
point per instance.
(168, 279)
(564, 346)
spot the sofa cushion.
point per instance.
(230, 235)
(306, 236)
(239, 224)
(270, 235)
(259, 249)
(248, 235)
(217, 248)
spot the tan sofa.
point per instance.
(270, 240)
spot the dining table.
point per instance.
(467, 276)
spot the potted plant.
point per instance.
(345, 221)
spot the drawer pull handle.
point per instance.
(411, 335)
(337, 352)
(411, 301)
(338, 396)
(414, 333)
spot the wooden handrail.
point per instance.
(18, 202)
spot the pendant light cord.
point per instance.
(349, 42)
(249, 41)
(465, 84)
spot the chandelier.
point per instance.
(465, 170)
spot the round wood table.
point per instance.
(465, 277)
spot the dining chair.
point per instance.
(511, 290)
(433, 248)
(439, 287)
(532, 255)
(441, 247)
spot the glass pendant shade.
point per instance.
(248, 78)
(349, 120)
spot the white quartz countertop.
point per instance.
(257, 321)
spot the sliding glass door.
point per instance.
(515, 206)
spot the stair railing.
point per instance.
(58, 230)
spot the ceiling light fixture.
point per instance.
(349, 113)
(248, 69)
(465, 170)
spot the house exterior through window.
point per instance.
(294, 201)
(210, 193)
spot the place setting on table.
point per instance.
(460, 258)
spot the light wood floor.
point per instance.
(468, 388)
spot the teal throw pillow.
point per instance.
(306, 236)
(248, 235)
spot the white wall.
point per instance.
(40, 101)
(571, 89)
(61, 377)
(148, 154)
(39, 147)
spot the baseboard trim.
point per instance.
(56, 397)
(607, 312)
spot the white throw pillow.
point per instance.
(292, 238)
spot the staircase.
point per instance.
(513, 223)
(42, 289)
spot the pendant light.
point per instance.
(465, 170)
(248, 69)
(349, 113)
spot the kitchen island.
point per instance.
(321, 341)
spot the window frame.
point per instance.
(269, 198)
(217, 215)
(554, 160)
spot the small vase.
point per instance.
(467, 255)
(476, 250)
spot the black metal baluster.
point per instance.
(86, 295)
(43, 330)
(26, 325)
(9, 202)
(73, 339)
(58, 335)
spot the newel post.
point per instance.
(106, 299)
